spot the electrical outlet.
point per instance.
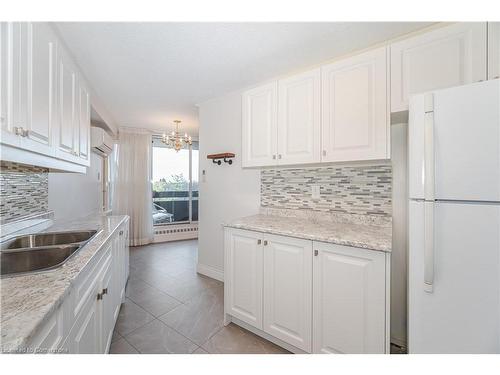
(315, 191)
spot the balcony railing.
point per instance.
(173, 207)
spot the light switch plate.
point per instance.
(315, 191)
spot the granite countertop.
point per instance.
(28, 301)
(362, 233)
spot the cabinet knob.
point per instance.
(259, 242)
(265, 242)
(316, 252)
(324, 152)
(121, 233)
(99, 296)
(279, 156)
(105, 291)
(274, 157)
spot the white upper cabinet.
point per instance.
(450, 56)
(259, 130)
(299, 118)
(42, 96)
(288, 290)
(349, 300)
(83, 120)
(493, 50)
(355, 123)
(7, 80)
(67, 105)
(44, 103)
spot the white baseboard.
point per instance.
(210, 271)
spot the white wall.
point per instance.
(75, 195)
(227, 191)
(399, 233)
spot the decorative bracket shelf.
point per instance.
(217, 158)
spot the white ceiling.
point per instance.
(148, 74)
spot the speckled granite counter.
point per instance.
(349, 230)
(28, 301)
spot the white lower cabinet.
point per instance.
(85, 321)
(307, 296)
(243, 276)
(349, 300)
(288, 290)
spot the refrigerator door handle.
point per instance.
(429, 147)
(429, 247)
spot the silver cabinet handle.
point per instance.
(19, 130)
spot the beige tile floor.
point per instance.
(172, 309)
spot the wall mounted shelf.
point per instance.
(217, 158)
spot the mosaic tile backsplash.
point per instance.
(24, 191)
(364, 190)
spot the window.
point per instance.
(175, 184)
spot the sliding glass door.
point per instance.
(175, 184)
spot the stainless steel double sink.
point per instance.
(40, 251)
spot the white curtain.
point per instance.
(132, 188)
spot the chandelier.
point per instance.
(175, 140)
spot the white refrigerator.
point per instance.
(454, 220)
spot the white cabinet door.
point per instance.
(42, 78)
(243, 276)
(9, 32)
(50, 339)
(299, 113)
(355, 122)
(259, 125)
(493, 50)
(67, 100)
(107, 305)
(450, 56)
(85, 334)
(288, 290)
(14, 76)
(83, 120)
(349, 300)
